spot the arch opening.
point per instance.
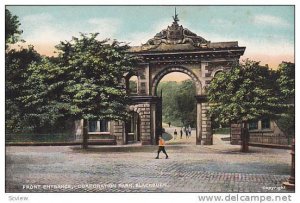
(179, 107)
(132, 85)
(133, 128)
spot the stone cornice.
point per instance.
(240, 50)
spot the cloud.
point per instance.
(222, 23)
(43, 32)
(106, 27)
(41, 28)
(267, 46)
(264, 44)
(55, 32)
(162, 24)
(270, 20)
(37, 18)
(138, 38)
(269, 49)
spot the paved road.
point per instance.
(189, 169)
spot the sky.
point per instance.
(266, 31)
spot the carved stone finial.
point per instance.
(175, 17)
(176, 34)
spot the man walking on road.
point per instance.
(190, 131)
(175, 134)
(181, 133)
(161, 147)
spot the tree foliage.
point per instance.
(16, 72)
(286, 81)
(83, 82)
(247, 92)
(44, 109)
(12, 30)
(179, 103)
(17, 64)
(186, 103)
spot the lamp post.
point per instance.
(290, 184)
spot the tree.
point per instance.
(179, 104)
(169, 111)
(42, 99)
(16, 72)
(186, 103)
(84, 82)
(286, 122)
(246, 93)
(286, 81)
(12, 31)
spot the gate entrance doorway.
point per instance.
(179, 109)
(174, 49)
(132, 129)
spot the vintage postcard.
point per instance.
(151, 99)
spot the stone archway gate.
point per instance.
(177, 49)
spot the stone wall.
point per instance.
(268, 138)
(272, 136)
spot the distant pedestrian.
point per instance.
(169, 124)
(161, 147)
(186, 133)
(190, 131)
(175, 134)
(181, 132)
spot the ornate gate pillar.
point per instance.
(204, 130)
(145, 113)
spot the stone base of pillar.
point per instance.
(119, 142)
(207, 141)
